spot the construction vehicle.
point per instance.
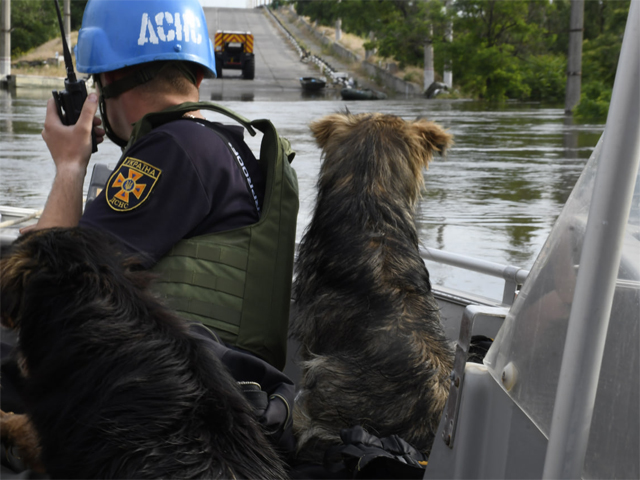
(234, 50)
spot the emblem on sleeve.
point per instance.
(130, 184)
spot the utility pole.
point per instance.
(67, 21)
(339, 27)
(369, 53)
(574, 60)
(5, 39)
(429, 74)
(448, 74)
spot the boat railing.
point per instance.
(513, 277)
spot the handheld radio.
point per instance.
(69, 101)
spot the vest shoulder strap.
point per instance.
(233, 150)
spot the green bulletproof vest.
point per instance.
(238, 282)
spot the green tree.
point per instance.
(601, 48)
(553, 19)
(600, 53)
(503, 50)
(322, 11)
(545, 77)
(405, 29)
(361, 16)
(77, 10)
(493, 23)
(33, 22)
(400, 27)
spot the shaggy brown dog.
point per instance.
(115, 385)
(373, 348)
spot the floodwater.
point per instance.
(495, 196)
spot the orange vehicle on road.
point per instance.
(234, 50)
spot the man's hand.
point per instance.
(70, 147)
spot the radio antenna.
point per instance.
(71, 75)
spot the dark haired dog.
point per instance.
(373, 348)
(115, 385)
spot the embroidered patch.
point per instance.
(131, 184)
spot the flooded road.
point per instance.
(495, 196)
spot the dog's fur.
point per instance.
(17, 432)
(116, 386)
(373, 348)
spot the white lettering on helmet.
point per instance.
(187, 25)
(178, 27)
(171, 34)
(197, 39)
(145, 27)
(186, 18)
(161, 35)
(191, 24)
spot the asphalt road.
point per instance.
(278, 66)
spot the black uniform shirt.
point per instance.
(178, 181)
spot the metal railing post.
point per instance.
(513, 276)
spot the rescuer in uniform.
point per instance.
(187, 193)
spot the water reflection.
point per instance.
(575, 139)
(495, 196)
(6, 112)
(242, 96)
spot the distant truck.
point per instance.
(234, 50)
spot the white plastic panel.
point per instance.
(533, 334)
(532, 339)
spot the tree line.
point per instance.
(499, 50)
(35, 22)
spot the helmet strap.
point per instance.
(186, 71)
(105, 119)
(143, 75)
(138, 77)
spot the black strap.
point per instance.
(139, 77)
(366, 456)
(145, 74)
(236, 156)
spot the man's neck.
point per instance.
(140, 105)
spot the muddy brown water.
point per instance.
(495, 196)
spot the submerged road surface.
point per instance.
(278, 66)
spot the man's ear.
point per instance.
(199, 77)
(107, 77)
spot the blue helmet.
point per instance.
(121, 33)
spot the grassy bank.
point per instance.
(37, 61)
(355, 44)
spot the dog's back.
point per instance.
(373, 347)
(116, 386)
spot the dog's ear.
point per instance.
(433, 137)
(324, 128)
